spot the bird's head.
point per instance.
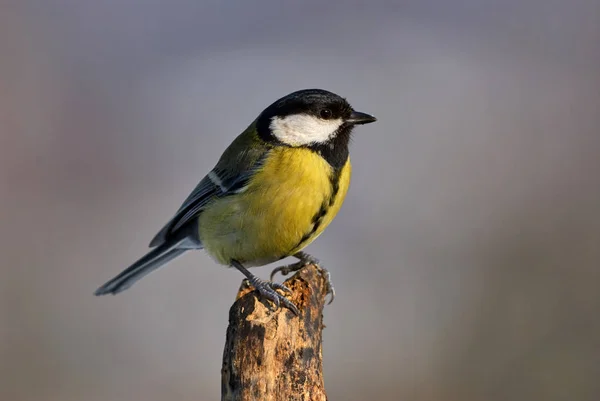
(312, 118)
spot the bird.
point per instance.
(273, 191)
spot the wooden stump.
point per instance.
(273, 355)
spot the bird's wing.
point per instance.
(229, 177)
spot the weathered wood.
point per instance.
(273, 355)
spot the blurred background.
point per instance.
(466, 258)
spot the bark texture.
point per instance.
(273, 355)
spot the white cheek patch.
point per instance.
(303, 129)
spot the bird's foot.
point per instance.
(305, 260)
(268, 290)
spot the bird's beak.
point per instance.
(357, 118)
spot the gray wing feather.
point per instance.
(200, 196)
(225, 182)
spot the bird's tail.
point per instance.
(146, 264)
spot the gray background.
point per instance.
(466, 256)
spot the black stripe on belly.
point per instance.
(317, 220)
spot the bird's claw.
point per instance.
(268, 291)
(328, 284)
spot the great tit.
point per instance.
(273, 191)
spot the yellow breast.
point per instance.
(287, 204)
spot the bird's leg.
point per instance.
(304, 260)
(267, 289)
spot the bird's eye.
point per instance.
(326, 114)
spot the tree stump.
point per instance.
(271, 354)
